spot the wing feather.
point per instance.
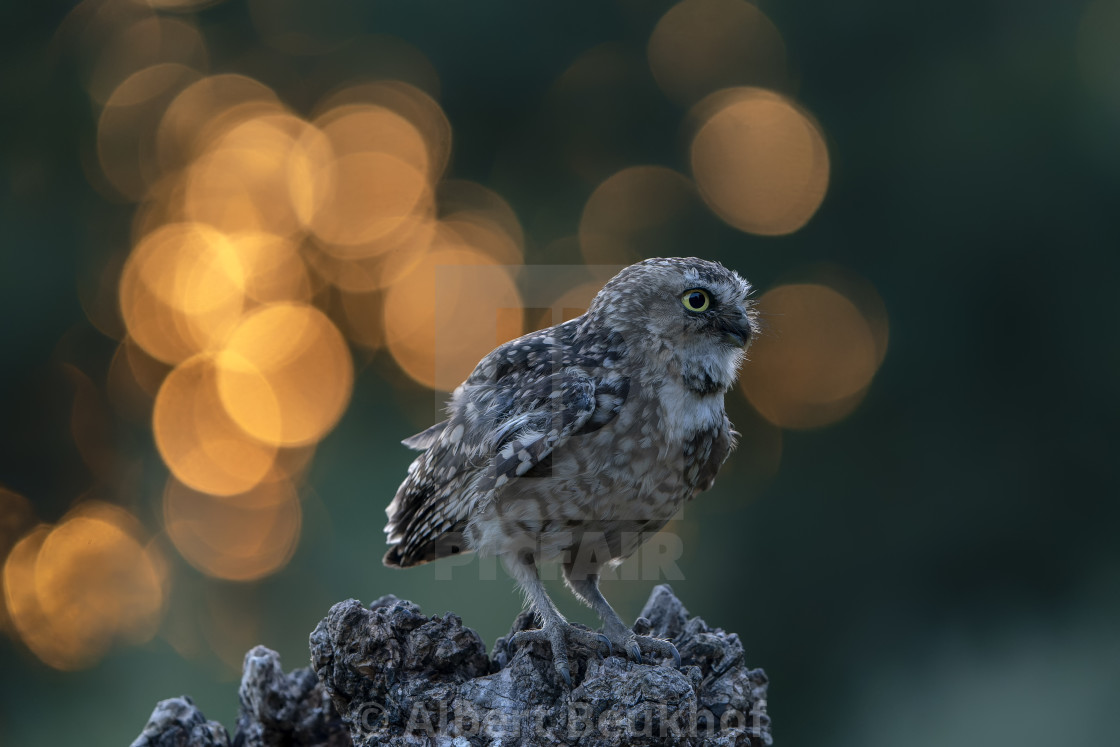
(519, 405)
(424, 439)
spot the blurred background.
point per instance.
(250, 245)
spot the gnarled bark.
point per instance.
(389, 675)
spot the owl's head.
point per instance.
(696, 311)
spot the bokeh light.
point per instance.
(700, 46)
(478, 231)
(200, 442)
(74, 589)
(463, 197)
(285, 374)
(274, 270)
(815, 358)
(148, 41)
(405, 100)
(372, 200)
(442, 317)
(182, 290)
(259, 176)
(238, 538)
(126, 130)
(205, 110)
(367, 128)
(638, 212)
(16, 517)
(21, 600)
(760, 162)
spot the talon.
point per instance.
(676, 656)
(565, 675)
(610, 648)
(634, 651)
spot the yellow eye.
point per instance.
(696, 300)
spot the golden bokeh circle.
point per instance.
(16, 517)
(200, 443)
(285, 375)
(205, 110)
(147, 41)
(238, 538)
(258, 176)
(126, 129)
(760, 163)
(394, 259)
(93, 571)
(366, 128)
(700, 46)
(21, 601)
(462, 196)
(371, 199)
(478, 231)
(814, 358)
(273, 268)
(181, 291)
(442, 317)
(629, 214)
(406, 100)
(75, 589)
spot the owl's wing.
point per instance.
(425, 438)
(498, 431)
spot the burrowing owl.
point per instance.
(576, 443)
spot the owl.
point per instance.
(574, 444)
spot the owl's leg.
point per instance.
(557, 631)
(586, 586)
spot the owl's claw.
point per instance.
(607, 641)
(634, 645)
(559, 636)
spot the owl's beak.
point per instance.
(736, 328)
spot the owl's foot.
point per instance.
(633, 645)
(559, 636)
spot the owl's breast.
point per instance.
(625, 480)
(642, 462)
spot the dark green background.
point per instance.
(942, 567)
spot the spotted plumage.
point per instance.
(576, 442)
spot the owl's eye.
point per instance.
(696, 300)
